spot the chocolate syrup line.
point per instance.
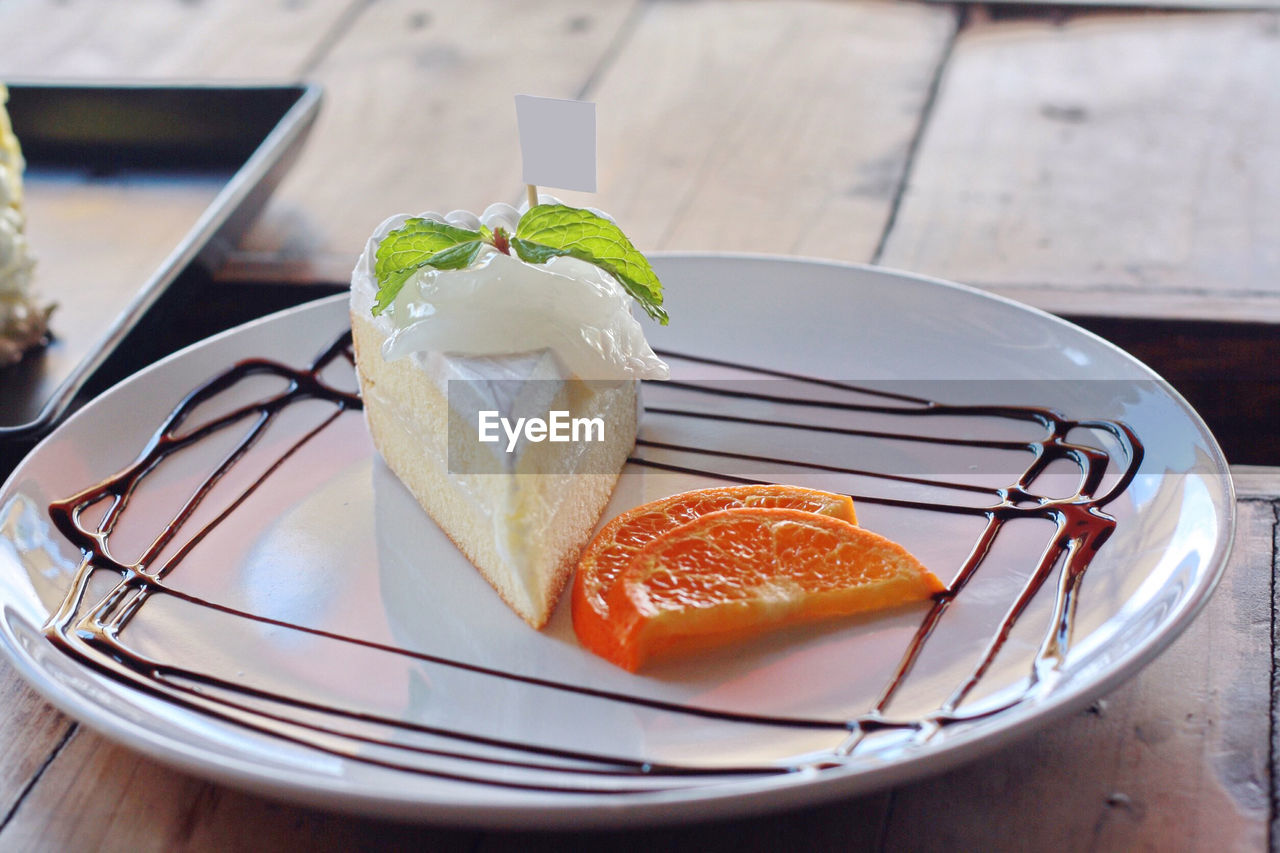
(1093, 465)
(1052, 651)
(141, 671)
(987, 444)
(981, 547)
(66, 513)
(1092, 462)
(1044, 568)
(195, 540)
(953, 509)
(150, 684)
(816, 466)
(156, 678)
(1133, 448)
(1082, 528)
(94, 631)
(477, 669)
(1057, 425)
(1044, 417)
(799, 377)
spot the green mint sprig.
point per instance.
(416, 244)
(549, 230)
(543, 232)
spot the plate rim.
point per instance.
(670, 807)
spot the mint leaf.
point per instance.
(535, 253)
(455, 257)
(415, 241)
(550, 230)
(416, 244)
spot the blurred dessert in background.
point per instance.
(23, 319)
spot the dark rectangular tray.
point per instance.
(126, 185)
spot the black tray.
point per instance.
(126, 185)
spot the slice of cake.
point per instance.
(23, 321)
(518, 327)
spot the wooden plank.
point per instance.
(165, 39)
(99, 796)
(1142, 302)
(844, 825)
(770, 127)
(419, 115)
(30, 730)
(1116, 159)
(776, 127)
(1256, 481)
(1274, 766)
(1176, 759)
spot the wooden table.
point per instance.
(1108, 164)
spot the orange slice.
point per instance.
(738, 572)
(622, 538)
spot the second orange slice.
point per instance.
(738, 572)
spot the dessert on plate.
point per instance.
(23, 321)
(517, 316)
(527, 314)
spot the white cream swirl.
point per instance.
(502, 305)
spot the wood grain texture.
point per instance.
(842, 825)
(30, 730)
(1256, 481)
(1141, 302)
(1176, 759)
(1275, 678)
(1117, 159)
(419, 115)
(164, 39)
(99, 796)
(770, 127)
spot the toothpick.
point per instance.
(533, 195)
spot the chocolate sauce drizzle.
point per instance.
(91, 634)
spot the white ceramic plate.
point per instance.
(421, 719)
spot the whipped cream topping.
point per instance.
(501, 305)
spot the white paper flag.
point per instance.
(558, 142)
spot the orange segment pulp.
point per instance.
(622, 538)
(738, 572)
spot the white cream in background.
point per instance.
(22, 320)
